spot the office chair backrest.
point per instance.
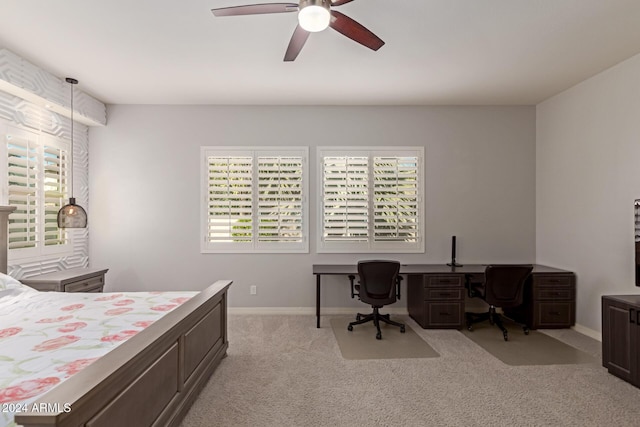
(504, 284)
(378, 281)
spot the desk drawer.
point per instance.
(554, 294)
(91, 284)
(454, 281)
(554, 280)
(443, 294)
(444, 314)
(555, 314)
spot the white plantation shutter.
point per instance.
(230, 199)
(280, 199)
(55, 190)
(22, 167)
(371, 199)
(395, 199)
(255, 199)
(345, 198)
(37, 171)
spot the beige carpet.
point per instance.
(533, 349)
(282, 371)
(361, 343)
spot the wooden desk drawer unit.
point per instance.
(436, 301)
(550, 302)
(73, 280)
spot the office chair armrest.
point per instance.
(353, 291)
(398, 282)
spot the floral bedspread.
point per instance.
(46, 337)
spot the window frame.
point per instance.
(255, 152)
(40, 251)
(371, 245)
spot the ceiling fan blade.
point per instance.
(298, 39)
(340, 2)
(255, 9)
(356, 32)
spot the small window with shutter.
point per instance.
(370, 199)
(254, 199)
(36, 174)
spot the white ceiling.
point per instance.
(437, 52)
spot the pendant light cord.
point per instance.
(71, 159)
(71, 83)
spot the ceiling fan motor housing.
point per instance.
(322, 3)
(314, 15)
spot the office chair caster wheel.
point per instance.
(506, 337)
(350, 328)
(379, 336)
(469, 328)
(526, 330)
(358, 317)
(402, 329)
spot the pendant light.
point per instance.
(72, 215)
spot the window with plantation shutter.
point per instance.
(370, 199)
(280, 188)
(22, 167)
(254, 199)
(395, 199)
(230, 199)
(346, 198)
(36, 173)
(54, 163)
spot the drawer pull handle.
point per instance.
(553, 280)
(631, 310)
(554, 313)
(445, 294)
(444, 313)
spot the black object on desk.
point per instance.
(453, 262)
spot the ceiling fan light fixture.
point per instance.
(314, 15)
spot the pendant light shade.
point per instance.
(72, 215)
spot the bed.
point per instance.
(149, 379)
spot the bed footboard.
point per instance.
(150, 380)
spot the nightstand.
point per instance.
(73, 280)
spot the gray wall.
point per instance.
(145, 183)
(588, 175)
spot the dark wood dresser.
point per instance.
(621, 336)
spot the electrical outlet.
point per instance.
(253, 289)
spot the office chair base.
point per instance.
(376, 317)
(494, 319)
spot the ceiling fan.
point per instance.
(313, 16)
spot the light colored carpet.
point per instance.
(361, 343)
(533, 349)
(282, 371)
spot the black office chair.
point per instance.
(503, 287)
(379, 285)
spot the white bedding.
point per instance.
(46, 337)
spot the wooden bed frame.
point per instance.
(149, 380)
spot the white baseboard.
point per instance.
(311, 311)
(588, 332)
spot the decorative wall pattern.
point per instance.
(23, 113)
(25, 80)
